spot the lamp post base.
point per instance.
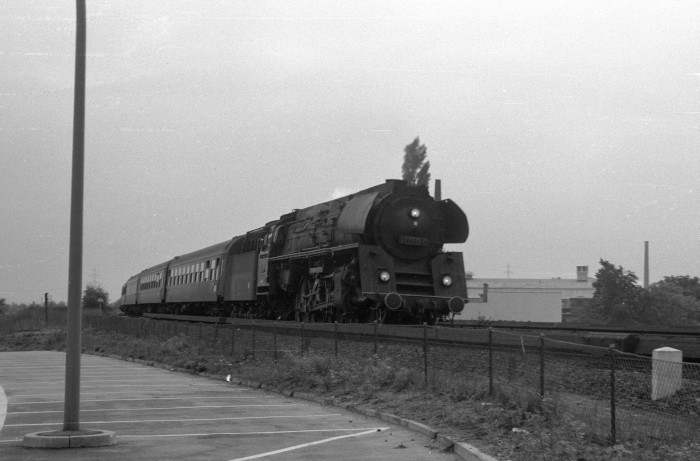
(70, 439)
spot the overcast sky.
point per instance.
(567, 131)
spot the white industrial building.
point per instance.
(524, 300)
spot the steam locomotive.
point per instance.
(375, 255)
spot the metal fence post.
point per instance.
(375, 337)
(425, 353)
(335, 338)
(541, 365)
(613, 429)
(490, 360)
(253, 340)
(274, 340)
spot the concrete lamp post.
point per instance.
(72, 436)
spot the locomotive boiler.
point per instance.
(375, 255)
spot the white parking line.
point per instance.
(86, 393)
(239, 418)
(304, 445)
(110, 410)
(160, 399)
(109, 386)
(226, 434)
(101, 383)
(122, 436)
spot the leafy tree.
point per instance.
(617, 297)
(93, 294)
(690, 286)
(672, 304)
(415, 168)
(2, 306)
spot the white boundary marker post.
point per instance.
(666, 372)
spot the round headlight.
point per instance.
(446, 280)
(415, 213)
(384, 276)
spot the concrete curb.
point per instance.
(465, 451)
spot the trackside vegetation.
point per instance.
(509, 423)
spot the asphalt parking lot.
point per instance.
(159, 414)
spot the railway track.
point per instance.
(626, 339)
(641, 340)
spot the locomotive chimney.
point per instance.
(438, 190)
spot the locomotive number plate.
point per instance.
(415, 241)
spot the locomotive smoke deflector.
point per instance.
(457, 226)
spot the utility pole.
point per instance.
(508, 271)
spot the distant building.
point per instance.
(528, 300)
(572, 309)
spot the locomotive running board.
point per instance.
(314, 252)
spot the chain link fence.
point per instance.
(612, 395)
